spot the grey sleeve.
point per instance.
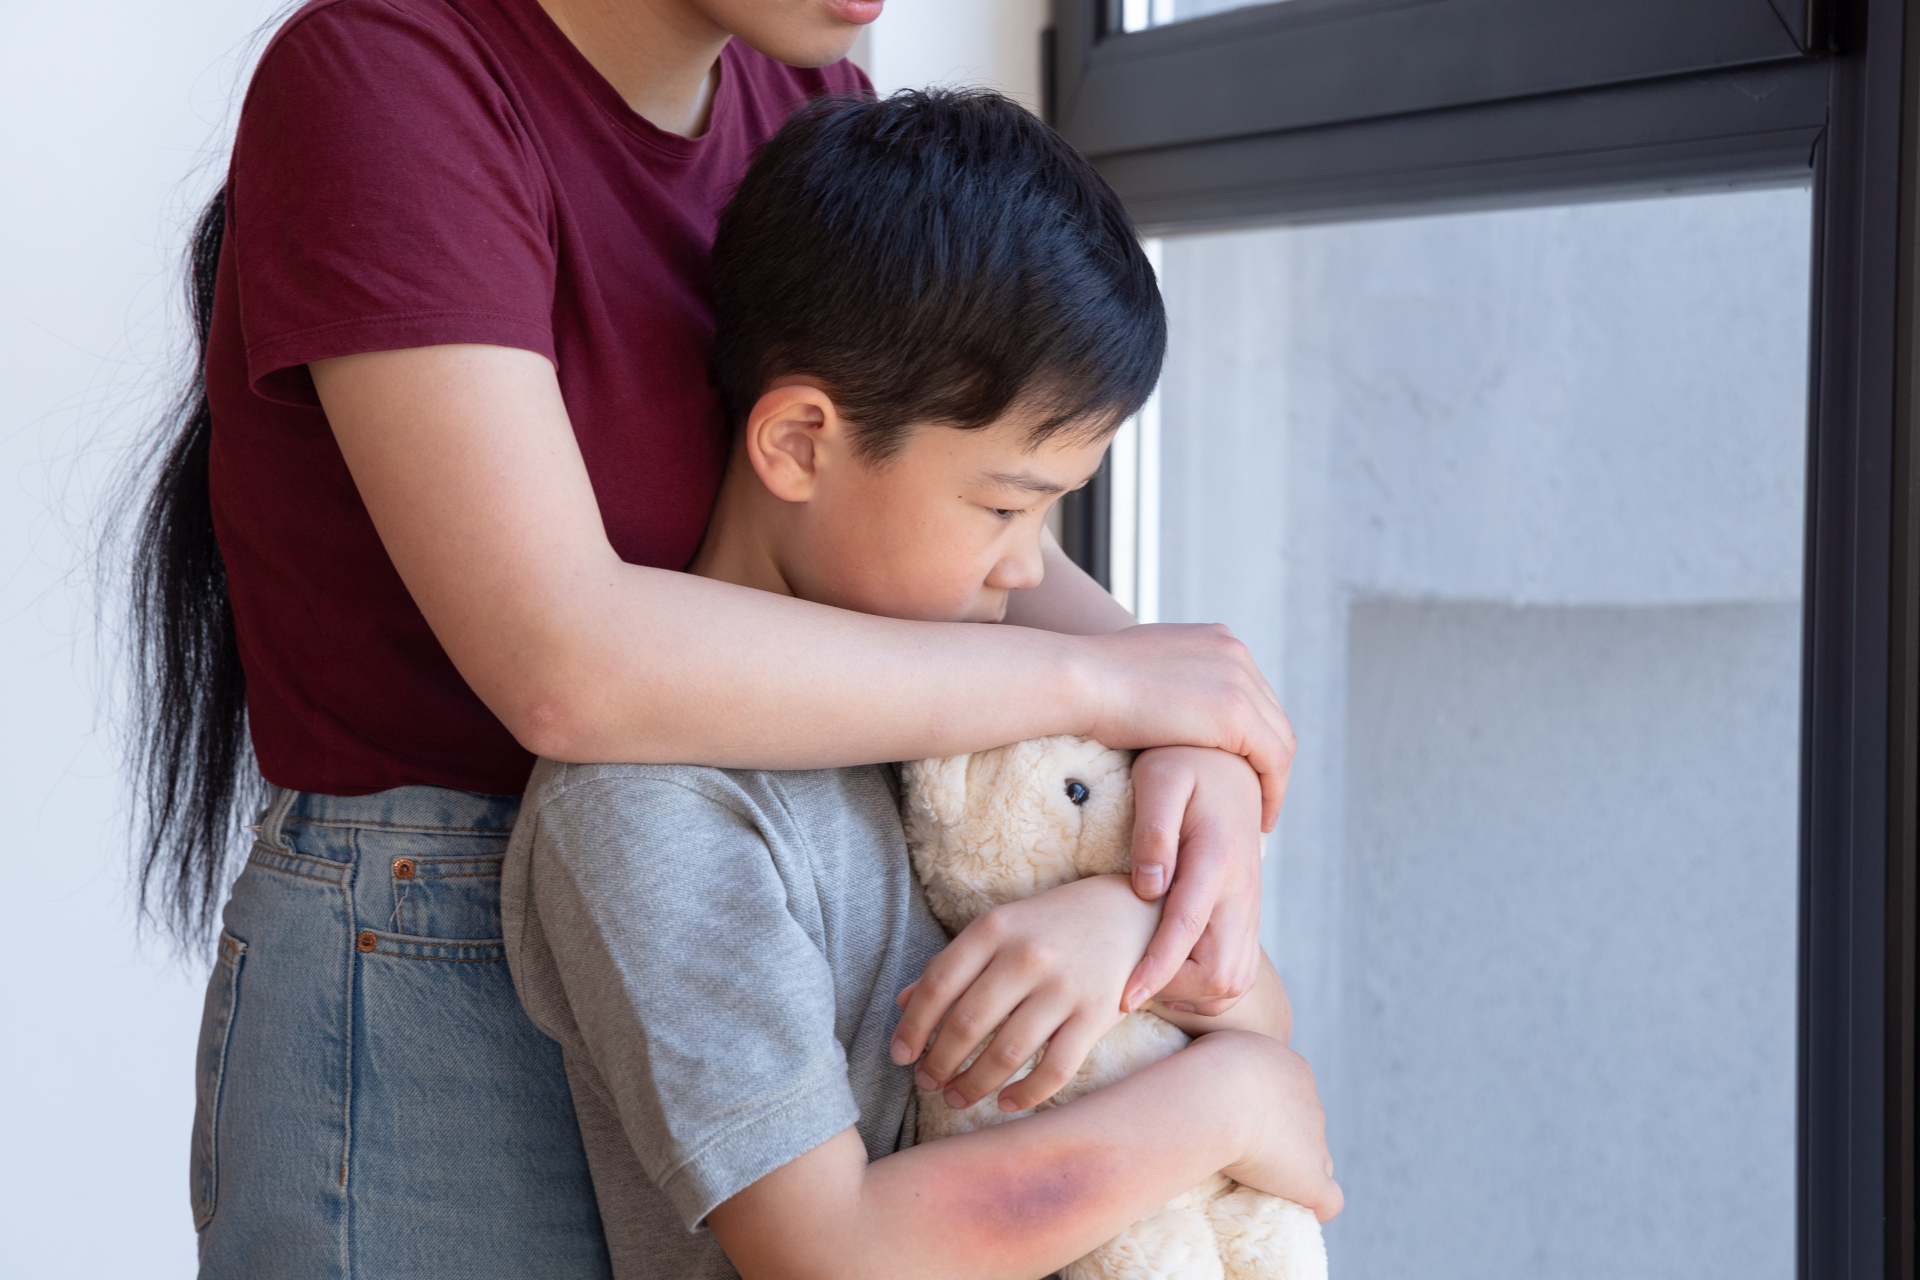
(702, 1003)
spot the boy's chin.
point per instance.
(978, 611)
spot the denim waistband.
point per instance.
(425, 809)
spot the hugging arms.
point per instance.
(721, 952)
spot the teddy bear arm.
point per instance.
(1263, 1237)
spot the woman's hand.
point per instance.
(1197, 824)
(1193, 684)
(1047, 970)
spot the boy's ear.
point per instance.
(784, 434)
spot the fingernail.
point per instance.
(1136, 997)
(925, 1081)
(901, 1054)
(954, 1100)
(1008, 1104)
(1183, 1008)
(1151, 879)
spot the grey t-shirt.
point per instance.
(717, 952)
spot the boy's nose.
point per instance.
(1019, 570)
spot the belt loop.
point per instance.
(274, 815)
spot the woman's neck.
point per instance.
(661, 56)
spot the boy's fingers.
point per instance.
(947, 977)
(906, 994)
(975, 1016)
(1273, 790)
(1274, 763)
(1189, 907)
(1225, 961)
(1067, 1049)
(1012, 1047)
(1160, 805)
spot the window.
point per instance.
(1535, 408)
(1138, 15)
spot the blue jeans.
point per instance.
(373, 1102)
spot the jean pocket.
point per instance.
(210, 1073)
(445, 894)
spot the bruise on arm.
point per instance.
(1009, 1202)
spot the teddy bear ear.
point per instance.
(941, 785)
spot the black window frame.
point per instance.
(1321, 110)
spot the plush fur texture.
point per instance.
(1001, 825)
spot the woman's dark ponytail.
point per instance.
(191, 757)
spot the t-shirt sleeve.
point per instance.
(383, 195)
(702, 1002)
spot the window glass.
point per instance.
(1509, 506)
(1138, 15)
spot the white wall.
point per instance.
(112, 107)
(989, 42)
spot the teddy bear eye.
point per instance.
(1076, 791)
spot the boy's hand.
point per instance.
(1048, 970)
(1197, 827)
(1283, 1125)
(1265, 1010)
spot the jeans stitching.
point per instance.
(354, 824)
(348, 970)
(232, 952)
(401, 955)
(414, 947)
(264, 865)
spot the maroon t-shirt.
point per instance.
(413, 172)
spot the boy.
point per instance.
(931, 316)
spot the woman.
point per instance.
(426, 516)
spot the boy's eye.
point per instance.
(1003, 513)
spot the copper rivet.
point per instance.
(366, 941)
(403, 868)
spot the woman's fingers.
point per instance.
(1198, 686)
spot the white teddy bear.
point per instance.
(1001, 825)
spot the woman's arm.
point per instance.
(1020, 1199)
(469, 468)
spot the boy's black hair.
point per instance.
(933, 257)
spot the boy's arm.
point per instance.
(1023, 1198)
(1264, 1010)
(1048, 970)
